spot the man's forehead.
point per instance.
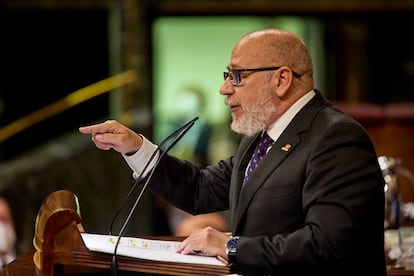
(247, 57)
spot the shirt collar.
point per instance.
(277, 127)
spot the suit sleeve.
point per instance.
(186, 186)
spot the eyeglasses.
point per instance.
(234, 74)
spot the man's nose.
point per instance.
(226, 88)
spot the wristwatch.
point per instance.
(231, 249)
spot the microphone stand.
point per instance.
(181, 132)
(173, 134)
(130, 192)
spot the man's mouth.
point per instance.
(234, 107)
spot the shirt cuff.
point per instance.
(140, 159)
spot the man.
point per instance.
(7, 234)
(314, 204)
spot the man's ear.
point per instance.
(282, 80)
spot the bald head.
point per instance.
(273, 47)
(286, 76)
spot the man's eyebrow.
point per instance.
(232, 66)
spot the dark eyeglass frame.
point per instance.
(236, 73)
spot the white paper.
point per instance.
(156, 250)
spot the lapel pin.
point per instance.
(286, 147)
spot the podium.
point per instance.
(60, 250)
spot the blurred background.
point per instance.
(177, 49)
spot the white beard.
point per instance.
(256, 117)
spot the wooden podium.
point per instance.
(60, 250)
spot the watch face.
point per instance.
(232, 244)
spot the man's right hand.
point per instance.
(113, 135)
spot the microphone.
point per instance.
(176, 136)
(183, 129)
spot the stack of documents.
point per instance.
(149, 249)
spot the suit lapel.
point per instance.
(279, 151)
(237, 178)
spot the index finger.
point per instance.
(97, 128)
(87, 129)
(182, 246)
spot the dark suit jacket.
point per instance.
(315, 204)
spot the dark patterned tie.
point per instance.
(261, 148)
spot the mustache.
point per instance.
(229, 103)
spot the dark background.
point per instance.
(46, 55)
(51, 48)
